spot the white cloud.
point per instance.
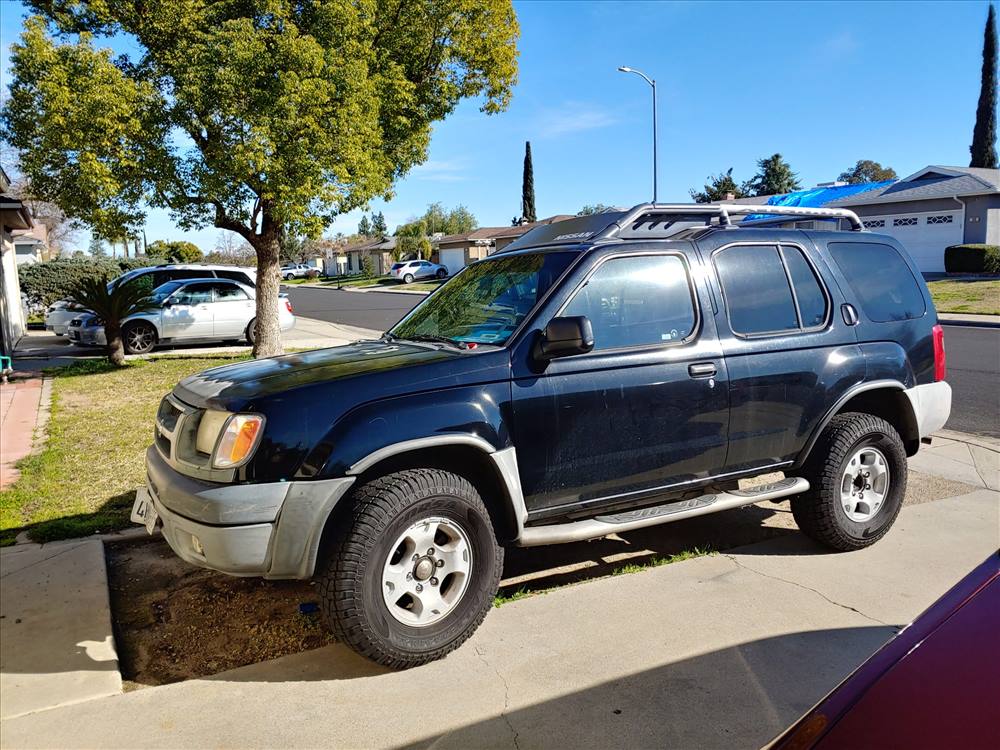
(573, 117)
(840, 44)
(440, 170)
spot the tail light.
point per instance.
(288, 304)
(939, 356)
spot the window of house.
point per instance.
(641, 300)
(874, 223)
(942, 219)
(880, 277)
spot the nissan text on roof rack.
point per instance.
(602, 374)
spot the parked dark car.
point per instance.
(599, 375)
(936, 684)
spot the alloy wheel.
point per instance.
(864, 484)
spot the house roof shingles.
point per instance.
(945, 182)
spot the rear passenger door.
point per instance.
(645, 410)
(788, 351)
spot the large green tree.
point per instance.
(718, 188)
(528, 186)
(984, 134)
(255, 116)
(866, 170)
(774, 177)
(175, 251)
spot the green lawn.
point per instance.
(959, 296)
(101, 423)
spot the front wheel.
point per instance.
(857, 473)
(441, 273)
(139, 338)
(413, 569)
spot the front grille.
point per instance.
(168, 414)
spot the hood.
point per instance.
(375, 369)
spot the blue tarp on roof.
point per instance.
(819, 197)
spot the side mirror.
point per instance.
(167, 302)
(564, 337)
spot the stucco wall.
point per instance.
(12, 321)
(982, 219)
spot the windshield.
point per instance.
(487, 301)
(165, 290)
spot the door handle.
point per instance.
(849, 313)
(702, 370)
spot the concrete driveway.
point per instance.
(719, 651)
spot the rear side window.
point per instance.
(756, 288)
(638, 301)
(239, 276)
(809, 293)
(882, 280)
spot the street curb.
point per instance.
(986, 443)
(382, 291)
(977, 321)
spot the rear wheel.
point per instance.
(251, 332)
(139, 338)
(413, 570)
(408, 278)
(857, 473)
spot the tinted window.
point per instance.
(808, 292)
(185, 273)
(193, 294)
(637, 301)
(239, 276)
(756, 288)
(229, 293)
(881, 279)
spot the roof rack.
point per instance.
(659, 212)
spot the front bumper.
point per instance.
(274, 529)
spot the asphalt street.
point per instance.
(973, 352)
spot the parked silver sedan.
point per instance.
(187, 311)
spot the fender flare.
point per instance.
(894, 385)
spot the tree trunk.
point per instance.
(267, 342)
(116, 351)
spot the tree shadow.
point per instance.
(112, 515)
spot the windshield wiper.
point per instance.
(429, 337)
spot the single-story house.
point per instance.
(31, 245)
(455, 251)
(378, 251)
(14, 215)
(933, 209)
(928, 211)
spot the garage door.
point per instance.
(453, 260)
(924, 235)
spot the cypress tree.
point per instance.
(984, 135)
(528, 187)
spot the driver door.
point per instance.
(647, 409)
(189, 314)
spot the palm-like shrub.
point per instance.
(111, 306)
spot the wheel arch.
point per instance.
(493, 473)
(885, 399)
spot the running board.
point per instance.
(616, 523)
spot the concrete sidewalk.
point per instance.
(720, 651)
(961, 457)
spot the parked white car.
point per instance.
(298, 271)
(187, 311)
(410, 270)
(59, 314)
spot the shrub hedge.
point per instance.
(44, 283)
(972, 259)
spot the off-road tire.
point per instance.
(130, 346)
(251, 332)
(818, 512)
(350, 579)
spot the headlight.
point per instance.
(238, 440)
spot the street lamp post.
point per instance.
(652, 84)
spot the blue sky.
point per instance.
(825, 84)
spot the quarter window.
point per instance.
(641, 300)
(880, 277)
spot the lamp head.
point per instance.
(624, 69)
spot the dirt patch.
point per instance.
(174, 621)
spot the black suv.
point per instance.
(601, 374)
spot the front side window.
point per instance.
(487, 301)
(880, 277)
(193, 294)
(642, 300)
